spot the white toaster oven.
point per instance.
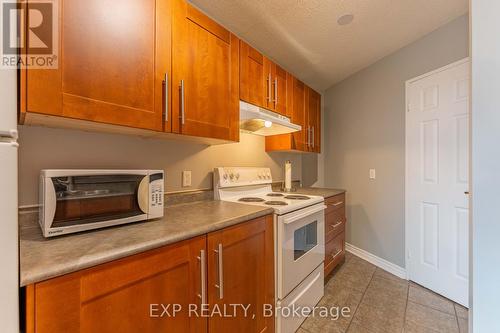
(78, 200)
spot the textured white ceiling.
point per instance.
(304, 37)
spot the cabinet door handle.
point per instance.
(336, 254)
(308, 136)
(182, 102)
(275, 91)
(203, 277)
(336, 224)
(220, 267)
(269, 88)
(166, 97)
(312, 136)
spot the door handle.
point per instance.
(336, 254)
(308, 136)
(336, 224)
(220, 269)
(269, 88)
(312, 136)
(166, 97)
(182, 102)
(203, 277)
(275, 91)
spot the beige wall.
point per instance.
(365, 128)
(45, 148)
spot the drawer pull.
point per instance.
(337, 203)
(336, 254)
(337, 224)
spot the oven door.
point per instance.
(301, 246)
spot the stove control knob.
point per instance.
(225, 176)
(231, 175)
(268, 176)
(237, 176)
(260, 176)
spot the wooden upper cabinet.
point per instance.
(299, 114)
(280, 78)
(205, 62)
(242, 258)
(262, 82)
(304, 107)
(113, 58)
(313, 112)
(252, 76)
(117, 297)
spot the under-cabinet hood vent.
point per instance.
(256, 120)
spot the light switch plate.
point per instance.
(372, 174)
(186, 178)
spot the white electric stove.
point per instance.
(298, 232)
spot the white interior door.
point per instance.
(437, 181)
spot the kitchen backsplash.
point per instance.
(47, 148)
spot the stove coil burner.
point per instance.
(274, 195)
(251, 199)
(296, 197)
(276, 203)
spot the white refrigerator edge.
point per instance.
(9, 243)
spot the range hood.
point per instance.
(256, 120)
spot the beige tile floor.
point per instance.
(382, 302)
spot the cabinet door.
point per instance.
(298, 114)
(280, 77)
(112, 62)
(313, 115)
(241, 271)
(125, 295)
(252, 78)
(205, 66)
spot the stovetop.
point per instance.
(252, 186)
(282, 203)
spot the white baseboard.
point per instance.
(377, 261)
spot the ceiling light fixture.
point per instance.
(345, 19)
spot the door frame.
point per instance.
(407, 86)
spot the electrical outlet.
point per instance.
(372, 174)
(186, 178)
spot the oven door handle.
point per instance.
(304, 213)
(143, 195)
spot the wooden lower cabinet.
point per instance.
(245, 256)
(132, 294)
(335, 221)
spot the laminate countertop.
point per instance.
(319, 191)
(42, 259)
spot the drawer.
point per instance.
(334, 224)
(334, 252)
(334, 203)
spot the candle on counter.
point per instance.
(288, 176)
